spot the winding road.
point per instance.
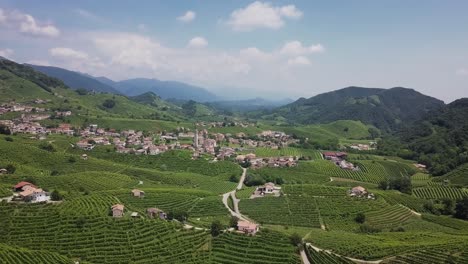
(232, 194)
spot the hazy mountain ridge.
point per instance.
(75, 80)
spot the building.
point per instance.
(34, 195)
(358, 191)
(156, 212)
(117, 210)
(138, 193)
(22, 185)
(247, 227)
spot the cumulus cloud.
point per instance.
(189, 16)
(462, 72)
(197, 42)
(27, 24)
(296, 48)
(299, 60)
(262, 15)
(6, 53)
(68, 53)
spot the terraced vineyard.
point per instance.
(322, 257)
(286, 210)
(286, 152)
(410, 201)
(427, 256)
(17, 255)
(268, 247)
(440, 192)
(100, 239)
(389, 217)
(195, 203)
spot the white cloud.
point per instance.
(2, 16)
(189, 16)
(462, 72)
(27, 24)
(6, 53)
(296, 48)
(68, 53)
(197, 42)
(39, 62)
(262, 15)
(299, 60)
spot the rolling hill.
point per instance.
(75, 80)
(383, 108)
(165, 89)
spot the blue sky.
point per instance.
(242, 49)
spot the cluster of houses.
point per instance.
(364, 147)
(272, 162)
(360, 192)
(224, 124)
(339, 159)
(28, 192)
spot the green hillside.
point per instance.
(385, 109)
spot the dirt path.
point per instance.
(352, 259)
(304, 258)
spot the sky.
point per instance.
(244, 49)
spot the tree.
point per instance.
(47, 146)
(55, 196)
(71, 159)
(4, 130)
(82, 91)
(360, 218)
(295, 239)
(10, 168)
(216, 228)
(108, 103)
(233, 221)
(461, 209)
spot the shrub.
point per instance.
(55, 196)
(47, 147)
(360, 218)
(71, 159)
(108, 103)
(368, 229)
(295, 239)
(9, 139)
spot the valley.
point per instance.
(262, 186)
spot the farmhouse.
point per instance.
(247, 227)
(84, 157)
(134, 215)
(3, 171)
(268, 188)
(117, 210)
(22, 185)
(31, 194)
(138, 193)
(155, 212)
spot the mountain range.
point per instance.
(384, 108)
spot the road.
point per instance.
(232, 193)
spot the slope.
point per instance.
(383, 108)
(75, 80)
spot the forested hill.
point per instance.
(441, 139)
(383, 108)
(75, 80)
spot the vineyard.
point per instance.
(389, 217)
(440, 192)
(286, 152)
(428, 256)
(267, 247)
(322, 257)
(16, 255)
